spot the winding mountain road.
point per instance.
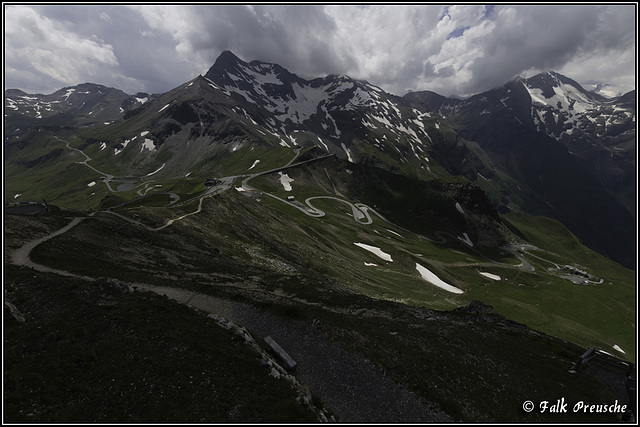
(108, 179)
(361, 215)
(360, 211)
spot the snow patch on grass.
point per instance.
(435, 280)
(286, 181)
(391, 231)
(69, 92)
(379, 252)
(346, 150)
(117, 151)
(148, 144)
(284, 143)
(254, 164)
(156, 171)
(617, 348)
(323, 144)
(490, 276)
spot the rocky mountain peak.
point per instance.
(227, 59)
(229, 71)
(224, 67)
(551, 85)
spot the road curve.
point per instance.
(21, 255)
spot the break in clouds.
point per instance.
(452, 50)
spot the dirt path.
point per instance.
(21, 255)
(354, 389)
(166, 224)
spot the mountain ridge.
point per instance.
(527, 125)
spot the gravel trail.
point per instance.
(21, 255)
(349, 385)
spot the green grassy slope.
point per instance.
(595, 314)
(297, 269)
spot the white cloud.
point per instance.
(520, 40)
(179, 21)
(463, 50)
(51, 50)
(301, 38)
(388, 43)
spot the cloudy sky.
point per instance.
(456, 50)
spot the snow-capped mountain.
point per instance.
(84, 104)
(598, 130)
(554, 105)
(263, 103)
(291, 103)
(561, 108)
(354, 119)
(605, 89)
(240, 104)
(573, 149)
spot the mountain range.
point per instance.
(542, 145)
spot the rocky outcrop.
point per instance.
(275, 369)
(13, 311)
(478, 307)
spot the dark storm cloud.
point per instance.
(296, 37)
(453, 50)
